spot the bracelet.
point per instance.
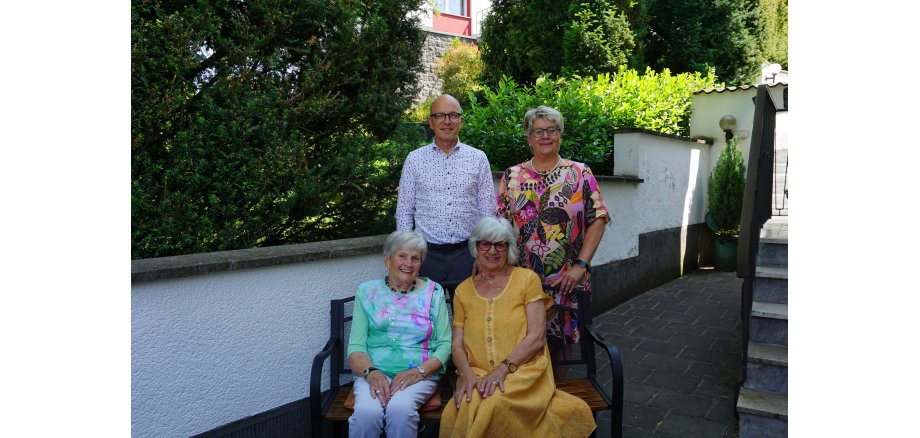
(370, 370)
(581, 263)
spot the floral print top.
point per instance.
(400, 331)
(552, 213)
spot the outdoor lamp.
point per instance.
(727, 123)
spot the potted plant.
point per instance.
(726, 196)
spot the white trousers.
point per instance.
(399, 419)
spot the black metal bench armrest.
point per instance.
(318, 403)
(615, 396)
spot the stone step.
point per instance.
(771, 290)
(754, 426)
(763, 404)
(772, 272)
(770, 310)
(767, 368)
(768, 354)
(769, 323)
(773, 252)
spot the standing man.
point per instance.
(445, 188)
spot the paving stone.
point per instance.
(684, 404)
(624, 342)
(652, 333)
(642, 416)
(631, 373)
(668, 315)
(723, 410)
(702, 355)
(691, 340)
(673, 381)
(648, 313)
(673, 307)
(667, 348)
(686, 426)
(633, 357)
(639, 393)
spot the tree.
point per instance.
(526, 38)
(261, 122)
(775, 19)
(699, 35)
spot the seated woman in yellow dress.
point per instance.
(505, 385)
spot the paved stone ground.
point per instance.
(680, 346)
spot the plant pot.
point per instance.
(725, 253)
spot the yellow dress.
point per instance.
(531, 406)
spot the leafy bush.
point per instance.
(592, 107)
(459, 70)
(262, 122)
(726, 189)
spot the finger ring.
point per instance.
(376, 391)
(495, 383)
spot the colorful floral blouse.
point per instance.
(400, 331)
(552, 213)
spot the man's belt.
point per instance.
(449, 246)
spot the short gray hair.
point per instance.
(543, 112)
(495, 229)
(398, 240)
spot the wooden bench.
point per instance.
(330, 407)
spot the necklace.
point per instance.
(558, 162)
(386, 280)
(492, 278)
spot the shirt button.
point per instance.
(491, 362)
(490, 301)
(489, 339)
(489, 318)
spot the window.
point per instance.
(455, 7)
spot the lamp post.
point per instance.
(727, 123)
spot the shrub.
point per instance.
(592, 107)
(459, 70)
(726, 189)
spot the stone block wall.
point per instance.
(436, 43)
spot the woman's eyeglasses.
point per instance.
(485, 245)
(540, 132)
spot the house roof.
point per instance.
(737, 88)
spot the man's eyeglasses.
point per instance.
(485, 245)
(440, 116)
(540, 132)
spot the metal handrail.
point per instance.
(756, 210)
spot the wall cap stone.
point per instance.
(661, 134)
(161, 268)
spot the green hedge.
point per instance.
(592, 108)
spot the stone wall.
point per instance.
(436, 43)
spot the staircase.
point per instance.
(762, 401)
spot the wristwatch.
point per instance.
(581, 263)
(512, 367)
(421, 371)
(369, 370)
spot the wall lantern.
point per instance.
(727, 123)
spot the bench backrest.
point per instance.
(340, 329)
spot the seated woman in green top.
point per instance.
(400, 341)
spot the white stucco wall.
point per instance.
(672, 194)
(211, 349)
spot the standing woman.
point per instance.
(560, 215)
(399, 342)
